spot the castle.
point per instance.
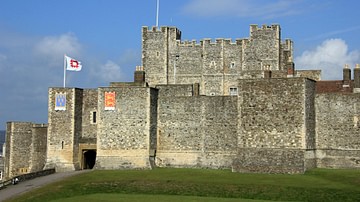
(220, 104)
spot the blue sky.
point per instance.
(105, 35)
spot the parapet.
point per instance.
(255, 28)
(163, 29)
(218, 41)
(127, 84)
(39, 125)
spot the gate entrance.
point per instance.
(89, 157)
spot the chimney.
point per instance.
(357, 79)
(290, 69)
(267, 72)
(139, 74)
(346, 76)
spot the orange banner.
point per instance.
(110, 100)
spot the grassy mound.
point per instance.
(315, 185)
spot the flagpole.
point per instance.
(157, 13)
(64, 69)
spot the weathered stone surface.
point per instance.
(277, 119)
(196, 131)
(127, 132)
(338, 130)
(26, 150)
(264, 160)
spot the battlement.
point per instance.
(39, 125)
(255, 27)
(187, 43)
(162, 30)
(209, 41)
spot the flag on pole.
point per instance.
(72, 64)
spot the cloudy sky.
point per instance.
(105, 35)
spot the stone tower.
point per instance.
(71, 139)
(215, 65)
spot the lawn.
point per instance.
(165, 184)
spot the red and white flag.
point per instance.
(72, 64)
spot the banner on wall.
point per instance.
(110, 101)
(60, 101)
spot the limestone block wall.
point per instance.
(38, 147)
(65, 128)
(156, 45)
(124, 127)
(89, 116)
(311, 74)
(337, 130)
(185, 63)
(176, 90)
(18, 146)
(272, 116)
(263, 48)
(197, 131)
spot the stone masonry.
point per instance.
(217, 104)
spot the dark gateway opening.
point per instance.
(89, 159)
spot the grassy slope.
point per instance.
(316, 185)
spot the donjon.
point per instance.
(218, 104)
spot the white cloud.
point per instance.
(330, 57)
(28, 66)
(243, 8)
(57, 46)
(109, 72)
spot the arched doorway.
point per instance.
(89, 157)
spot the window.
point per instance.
(233, 91)
(232, 65)
(157, 53)
(93, 117)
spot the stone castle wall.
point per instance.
(196, 131)
(38, 148)
(274, 133)
(126, 133)
(18, 141)
(338, 130)
(26, 148)
(89, 116)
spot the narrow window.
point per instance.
(157, 53)
(94, 117)
(232, 65)
(233, 91)
(62, 144)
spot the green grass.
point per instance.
(149, 198)
(218, 185)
